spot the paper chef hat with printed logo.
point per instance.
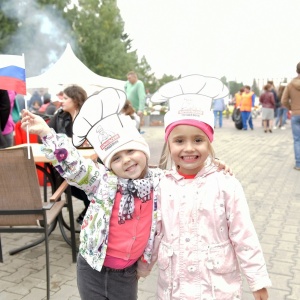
(105, 129)
(190, 101)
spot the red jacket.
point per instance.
(267, 100)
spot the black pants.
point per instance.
(75, 191)
(81, 195)
(108, 284)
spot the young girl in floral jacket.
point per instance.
(119, 226)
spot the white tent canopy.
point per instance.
(70, 70)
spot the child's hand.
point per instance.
(261, 294)
(35, 123)
(222, 166)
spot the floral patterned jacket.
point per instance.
(100, 185)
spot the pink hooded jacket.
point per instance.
(205, 230)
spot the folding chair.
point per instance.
(21, 206)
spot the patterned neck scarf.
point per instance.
(130, 188)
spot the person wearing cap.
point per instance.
(291, 100)
(204, 231)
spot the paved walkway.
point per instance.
(263, 162)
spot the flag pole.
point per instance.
(27, 129)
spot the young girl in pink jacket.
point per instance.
(207, 239)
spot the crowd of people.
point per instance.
(278, 105)
(274, 114)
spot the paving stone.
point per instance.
(291, 229)
(36, 293)
(283, 268)
(281, 255)
(295, 293)
(274, 231)
(273, 201)
(280, 281)
(4, 284)
(66, 292)
(286, 246)
(10, 296)
(24, 287)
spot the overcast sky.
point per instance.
(239, 39)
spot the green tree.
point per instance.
(42, 28)
(35, 29)
(144, 73)
(234, 87)
(8, 25)
(104, 48)
(166, 78)
(255, 88)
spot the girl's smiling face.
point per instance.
(129, 164)
(189, 148)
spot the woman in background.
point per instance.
(268, 105)
(62, 122)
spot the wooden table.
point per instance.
(39, 156)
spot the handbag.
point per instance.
(16, 114)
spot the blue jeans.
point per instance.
(295, 121)
(108, 284)
(218, 115)
(247, 118)
(281, 113)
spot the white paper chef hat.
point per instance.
(190, 101)
(106, 130)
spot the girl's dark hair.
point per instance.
(128, 108)
(77, 94)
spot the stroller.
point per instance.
(237, 118)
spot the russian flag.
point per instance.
(12, 73)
